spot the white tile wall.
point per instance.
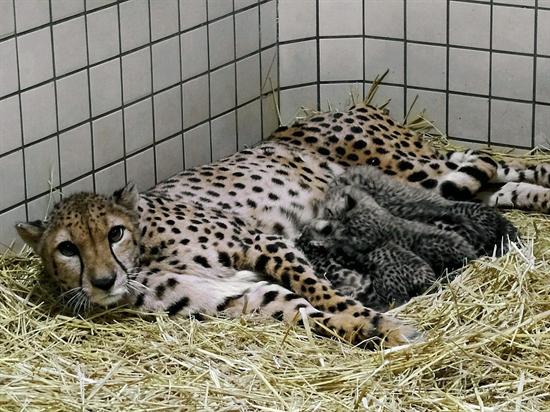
(339, 96)
(298, 63)
(134, 24)
(97, 92)
(224, 135)
(10, 124)
(72, 99)
(542, 126)
(476, 17)
(221, 40)
(468, 117)
(332, 14)
(35, 57)
(484, 52)
(513, 29)
(341, 59)
(195, 101)
(7, 24)
(510, 120)
(469, 70)
(75, 152)
(248, 78)
(69, 40)
(296, 19)
(166, 63)
(164, 18)
(138, 123)
(384, 18)
(110, 179)
(543, 80)
(105, 87)
(31, 13)
(426, 66)
(197, 145)
(171, 154)
(249, 130)
(141, 167)
(38, 112)
(108, 139)
(417, 13)
(432, 103)
(194, 52)
(222, 89)
(66, 8)
(247, 32)
(9, 82)
(136, 74)
(167, 112)
(103, 41)
(381, 55)
(192, 13)
(512, 76)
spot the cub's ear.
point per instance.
(127, 197)
(31, 232)
(350, 202)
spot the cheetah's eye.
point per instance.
(67, 248)
(115, 234)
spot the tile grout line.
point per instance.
(56, 103)
(236, 86)
(260, 68)
(363, 29)
(447, 57)
(25, 189)
(181, 88)
(490, 99)
(106, 6)
(535, 50)
(318, 57)
(278, 55)
(152, 93)
(405, 50)
(90, 113)
(209, 80)
(139, 48)
(137, 152)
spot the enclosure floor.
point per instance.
(487, 339)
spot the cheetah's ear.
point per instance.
(127, 197)
(350, 202)
(31, 232)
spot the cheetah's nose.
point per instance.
(104, 283)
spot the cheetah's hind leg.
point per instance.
(525, 196)
(520, 186)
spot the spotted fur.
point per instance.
(196, 232)
(384, 242)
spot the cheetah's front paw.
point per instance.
(376, 325)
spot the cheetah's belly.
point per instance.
(273, 187)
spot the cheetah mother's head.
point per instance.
(89, 244)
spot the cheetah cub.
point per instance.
(384, 242)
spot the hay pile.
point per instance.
(487, 348)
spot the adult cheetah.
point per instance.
(181, 246)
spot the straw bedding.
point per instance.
(487, 347)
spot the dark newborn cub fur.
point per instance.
(384, 242)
